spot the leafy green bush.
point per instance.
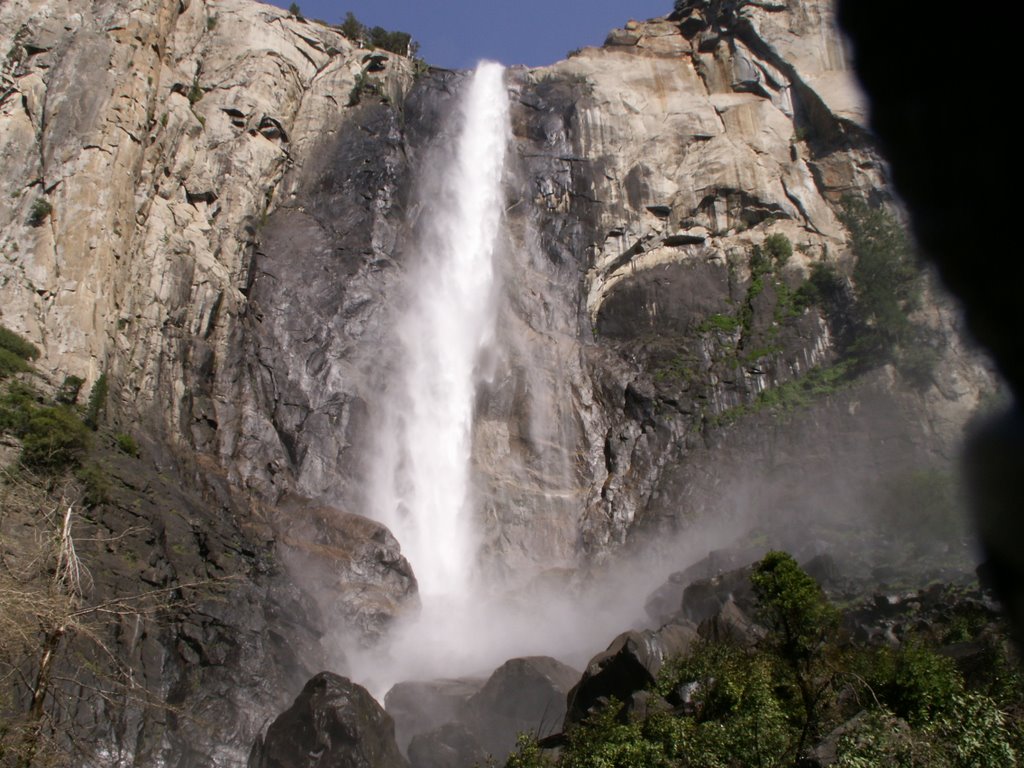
(97, 402)
(16, 407)
(69, 389)
(738, 716)
(54, 439)
(126, 444)
(11, 364)
(913, 682)
(392, 40)
(603, 740)
(95, 484)
(17, 345)
(38, 213)
(778, 248)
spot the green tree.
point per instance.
(352, 28)
(887, 280)
(801, 623)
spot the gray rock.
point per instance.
(421, 706)
(522, 695)
(630, 664)
(334, 722)
(450, 746)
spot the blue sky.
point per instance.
(458, 33)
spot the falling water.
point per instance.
(422, 489)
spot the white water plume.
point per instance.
(421, 489)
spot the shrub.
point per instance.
(97, 402)
(602, 740)
(738, 718)
(11, 364)
(69, 389)
(95, 484)
(778, 248)
(16, 407)
(913, 682)
(792, 606)
(294, 10)
(39, 212)
(352, 28)
(17, 345)
(126, 444)
(887, 279)
(54, 438)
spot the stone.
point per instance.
(335, 721)
(522, 695)
(630, 664)
(362, 580)
(419, 707)
(450, 746)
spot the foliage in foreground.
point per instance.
(769, 705)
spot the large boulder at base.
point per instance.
(704, 598)
(631, 663)
(333, 723)
(526, 694)
(421, 706)
(450, 746)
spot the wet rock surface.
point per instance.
(455, 722)
(334, 723)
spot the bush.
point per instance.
(16, 407)
(352, 28)
(97, 402)
(738, 718)
(126, 444)
(792, 607)
(913, 682)
(602, 740)
(17, 345)
(54, 439)
(887, 279)
(69, 389)
(95, 484)
(11, 364)
(41, 209)
(778, 248)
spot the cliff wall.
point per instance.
(228, 198)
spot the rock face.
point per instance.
(223, 200)
(334, 723)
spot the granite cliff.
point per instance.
(209, 203)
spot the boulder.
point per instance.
(354, 565)
(333, 723)
(421, 706)
(703, 599)
(630, 664)
(527, 694)
(450, 746)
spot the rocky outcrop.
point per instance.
(629, 666)
(353, 567)
(334, 722)
(460, 722)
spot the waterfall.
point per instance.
(421, 485)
